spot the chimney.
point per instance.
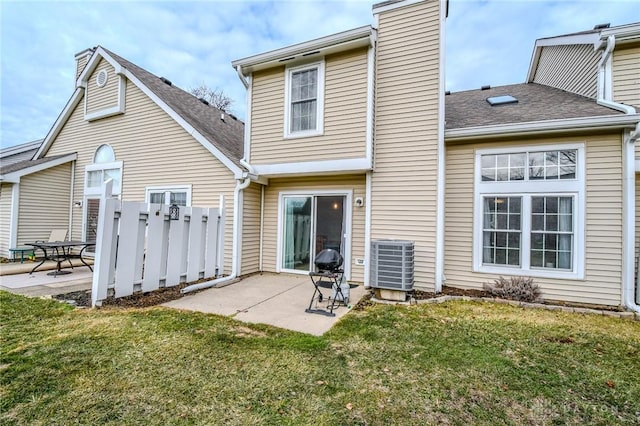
(81, 61)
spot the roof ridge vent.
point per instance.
(204, 101)
(602, 26)
(165, 81)
(487, 87)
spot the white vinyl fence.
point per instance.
(138, 247)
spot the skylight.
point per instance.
(502, 100)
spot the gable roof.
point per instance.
(223, 138)
(628, 33)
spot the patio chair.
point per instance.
(56, 236)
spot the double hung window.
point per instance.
(304, 100)
(528, 211)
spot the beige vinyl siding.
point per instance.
(404, 182)
(570, 67)
(155, 151)
(44, 203)
(6, 194)
(100, 98)
(626, 75)
(345, 114)
(356, 183)
(250, 249)
(603, 221)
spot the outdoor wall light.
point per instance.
(174, 212)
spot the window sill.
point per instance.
(534, 273)
(305, 134)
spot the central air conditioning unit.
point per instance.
(392, 265)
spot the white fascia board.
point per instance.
(351, 165)
(622, 33)
(549, 126)
(587, 38)
(237, 171)
(333, 43)
(91, 65)
(385, 6)
(60, 122)
(15, 176)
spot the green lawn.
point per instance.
(456, 363)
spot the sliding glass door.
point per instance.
(297, 233)
(311, 224)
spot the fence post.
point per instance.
(102, 261)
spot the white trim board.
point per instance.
(351, 165)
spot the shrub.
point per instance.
(522, 289)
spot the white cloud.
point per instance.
(191, 42)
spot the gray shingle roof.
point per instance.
(227, 135)
(535, 103)
(15, 167)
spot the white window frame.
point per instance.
(348, 194)
(526, 189)
(167, 188)
(319, 130)
(97, 190)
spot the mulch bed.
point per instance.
(138, 300)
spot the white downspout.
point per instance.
(71, 198)
(440, 207)
(237, 215)
(367, 230)
(261, 226)
(605, 81)
(628, 221)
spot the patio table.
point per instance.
(60, 252)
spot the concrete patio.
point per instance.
(15, 278)
(278, 300)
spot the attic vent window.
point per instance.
(101, 78)
(502, 100)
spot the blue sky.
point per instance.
(194, 42)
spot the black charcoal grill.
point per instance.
(328, 277)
